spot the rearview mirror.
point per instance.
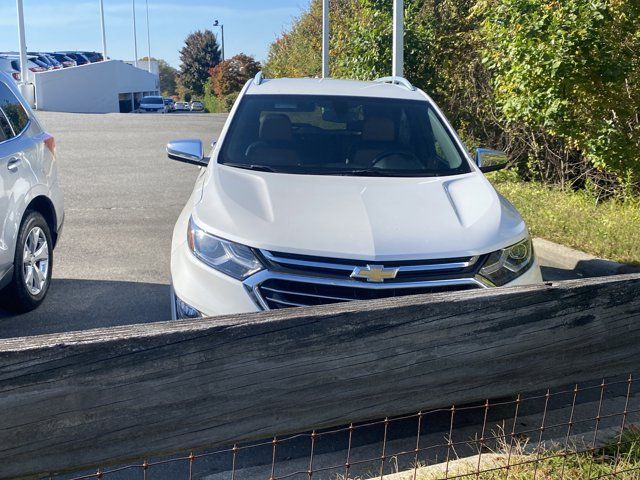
(187, 151)
(491, 160)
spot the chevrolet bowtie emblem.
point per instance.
(375, 273)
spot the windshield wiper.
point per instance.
(255, 168)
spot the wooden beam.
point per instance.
(81, 399)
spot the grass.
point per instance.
(613, 462)
(608, 229)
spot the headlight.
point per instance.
(509, 263)
(227, 257)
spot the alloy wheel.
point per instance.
(35, 261)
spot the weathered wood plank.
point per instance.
(108, 395)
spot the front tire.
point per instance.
(32, 267)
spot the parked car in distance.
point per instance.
(64, 60)
(153, 103)
(32, 66)
(335, 191)
(10, 67)
(170, 104)
(77, 57)
(31, 203)
(181, 106)
(197, 106)
(93, 57)
(50, 62)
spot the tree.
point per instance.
(168, 77)
(297, 53)
(555, 83)
(572, 68)
(199, 54)
(230, 75)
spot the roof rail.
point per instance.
(258, 78)
(400, 81)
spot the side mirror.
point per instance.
(187, 151)
(491, 160)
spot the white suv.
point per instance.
(31, 205)
(323, 191)
(153, 103)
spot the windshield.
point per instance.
(327, 135)
(152, 101)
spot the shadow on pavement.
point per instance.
(83, 304)
(554, 274)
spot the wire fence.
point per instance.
(584, 431)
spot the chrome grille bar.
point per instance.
(313, 295)
(307, 289)
(349, 267)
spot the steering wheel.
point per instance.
(394, 153)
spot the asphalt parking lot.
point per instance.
(122, 197)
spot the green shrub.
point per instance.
(556, 83)
(571, 67)
(229, 100)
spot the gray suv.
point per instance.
(31, 204)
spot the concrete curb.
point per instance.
(558, 256)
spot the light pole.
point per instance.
(135, 38)
(148, 39)
(325, 38)
(104, 35)
(218, 24)
(398, 38)
(23, 43)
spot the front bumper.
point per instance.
(214, 293)
(206, 289)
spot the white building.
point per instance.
(102, 87)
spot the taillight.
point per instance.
(16, 76)
(50, 142)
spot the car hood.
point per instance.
(368, 218)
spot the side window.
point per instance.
(5, 129)
(13, 109)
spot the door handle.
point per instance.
(13, 164)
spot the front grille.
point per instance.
(292, 280)
(281, 293)
(408, 271)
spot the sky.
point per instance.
(249, 25)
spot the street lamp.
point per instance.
(104, 35)
(216, 23)
(22, 42)
(148, 40)
(135, 37)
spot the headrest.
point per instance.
(378, 129)
(275, 127)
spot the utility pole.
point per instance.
(398, 38)
(148, 39)
(325, 38)
(135, 38)
(217, 23)
(104, 35)
(222, 33)
(23, 43)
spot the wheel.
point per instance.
(32, 265)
